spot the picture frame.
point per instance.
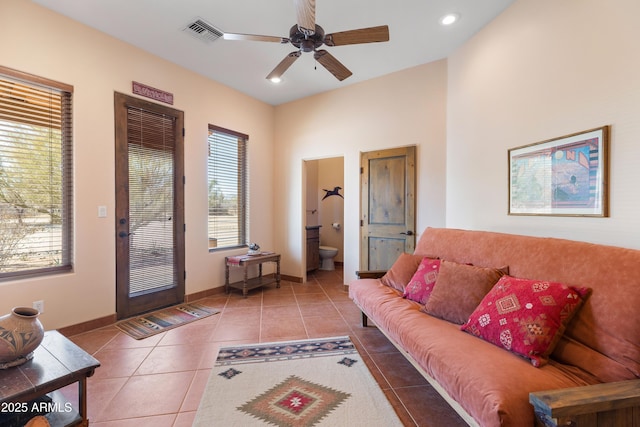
(565, 176)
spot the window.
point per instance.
(228, 189)
(35, 175)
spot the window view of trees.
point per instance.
(35, 176)
(30, 197)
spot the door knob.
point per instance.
(408, 233)
(124, 234)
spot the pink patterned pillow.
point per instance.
(421, 284)
(526, 317)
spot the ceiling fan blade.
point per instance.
(363, 35)
(306, 16)
(334, 66)
(284, 65)
(255, 38)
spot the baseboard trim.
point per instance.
(204, 294)
(111, 319)
(89, 325)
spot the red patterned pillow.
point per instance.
(526, 317)
(421, 284)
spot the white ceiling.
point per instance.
(416, 36)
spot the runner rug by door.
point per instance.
(167, 318)
(316, 382)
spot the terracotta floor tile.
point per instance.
(185, 419)
(276, 300)
(373, 340)
(318, 326)
(237, 331)
(279, 312)
(153, 421)
(120, 362)
(172, 358)
(123, 340)
(148, 395)
(428, 408)
(326, 310)
(192, 399)
(398, 370)
(159, 381)
(194, 333)
(312, 298)
(282, 329)
(93, 341)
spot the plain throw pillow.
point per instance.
(401, 271)
(526, 317)
(421, 284)
(459, 289)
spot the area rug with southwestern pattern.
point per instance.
(315, 382)
(167, 318)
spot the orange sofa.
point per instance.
(487, 384)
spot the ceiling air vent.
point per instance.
(203, 31)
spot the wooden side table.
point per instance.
(56, 363)
(244, 261)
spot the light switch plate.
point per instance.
(102, 211)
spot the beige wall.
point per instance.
(96, 65)
(404, 108)
(544, 69)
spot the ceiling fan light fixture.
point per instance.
(449, 19)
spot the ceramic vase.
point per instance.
(20, 334)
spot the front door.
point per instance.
(388, 206)
(149, 206)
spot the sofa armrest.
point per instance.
(607, 404)
(370, 274)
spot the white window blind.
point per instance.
(227, 184)
(152, 245)
(35, 175)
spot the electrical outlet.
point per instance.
(39, 305)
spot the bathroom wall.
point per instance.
(331, 209)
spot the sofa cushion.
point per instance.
(459, 289)
(527, 317)
(401, 271)
(421, 284)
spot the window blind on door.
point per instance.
(151, 145)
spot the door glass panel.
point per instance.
(151, 203)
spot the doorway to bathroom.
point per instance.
(324, 211)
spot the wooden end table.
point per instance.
(244, 261)
(56, 363)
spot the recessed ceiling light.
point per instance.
(449, 18)
(275, 80)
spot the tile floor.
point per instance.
(158, 381)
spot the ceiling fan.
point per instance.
(307, 36)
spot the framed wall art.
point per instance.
(566, 176)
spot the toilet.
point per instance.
(327, 254)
